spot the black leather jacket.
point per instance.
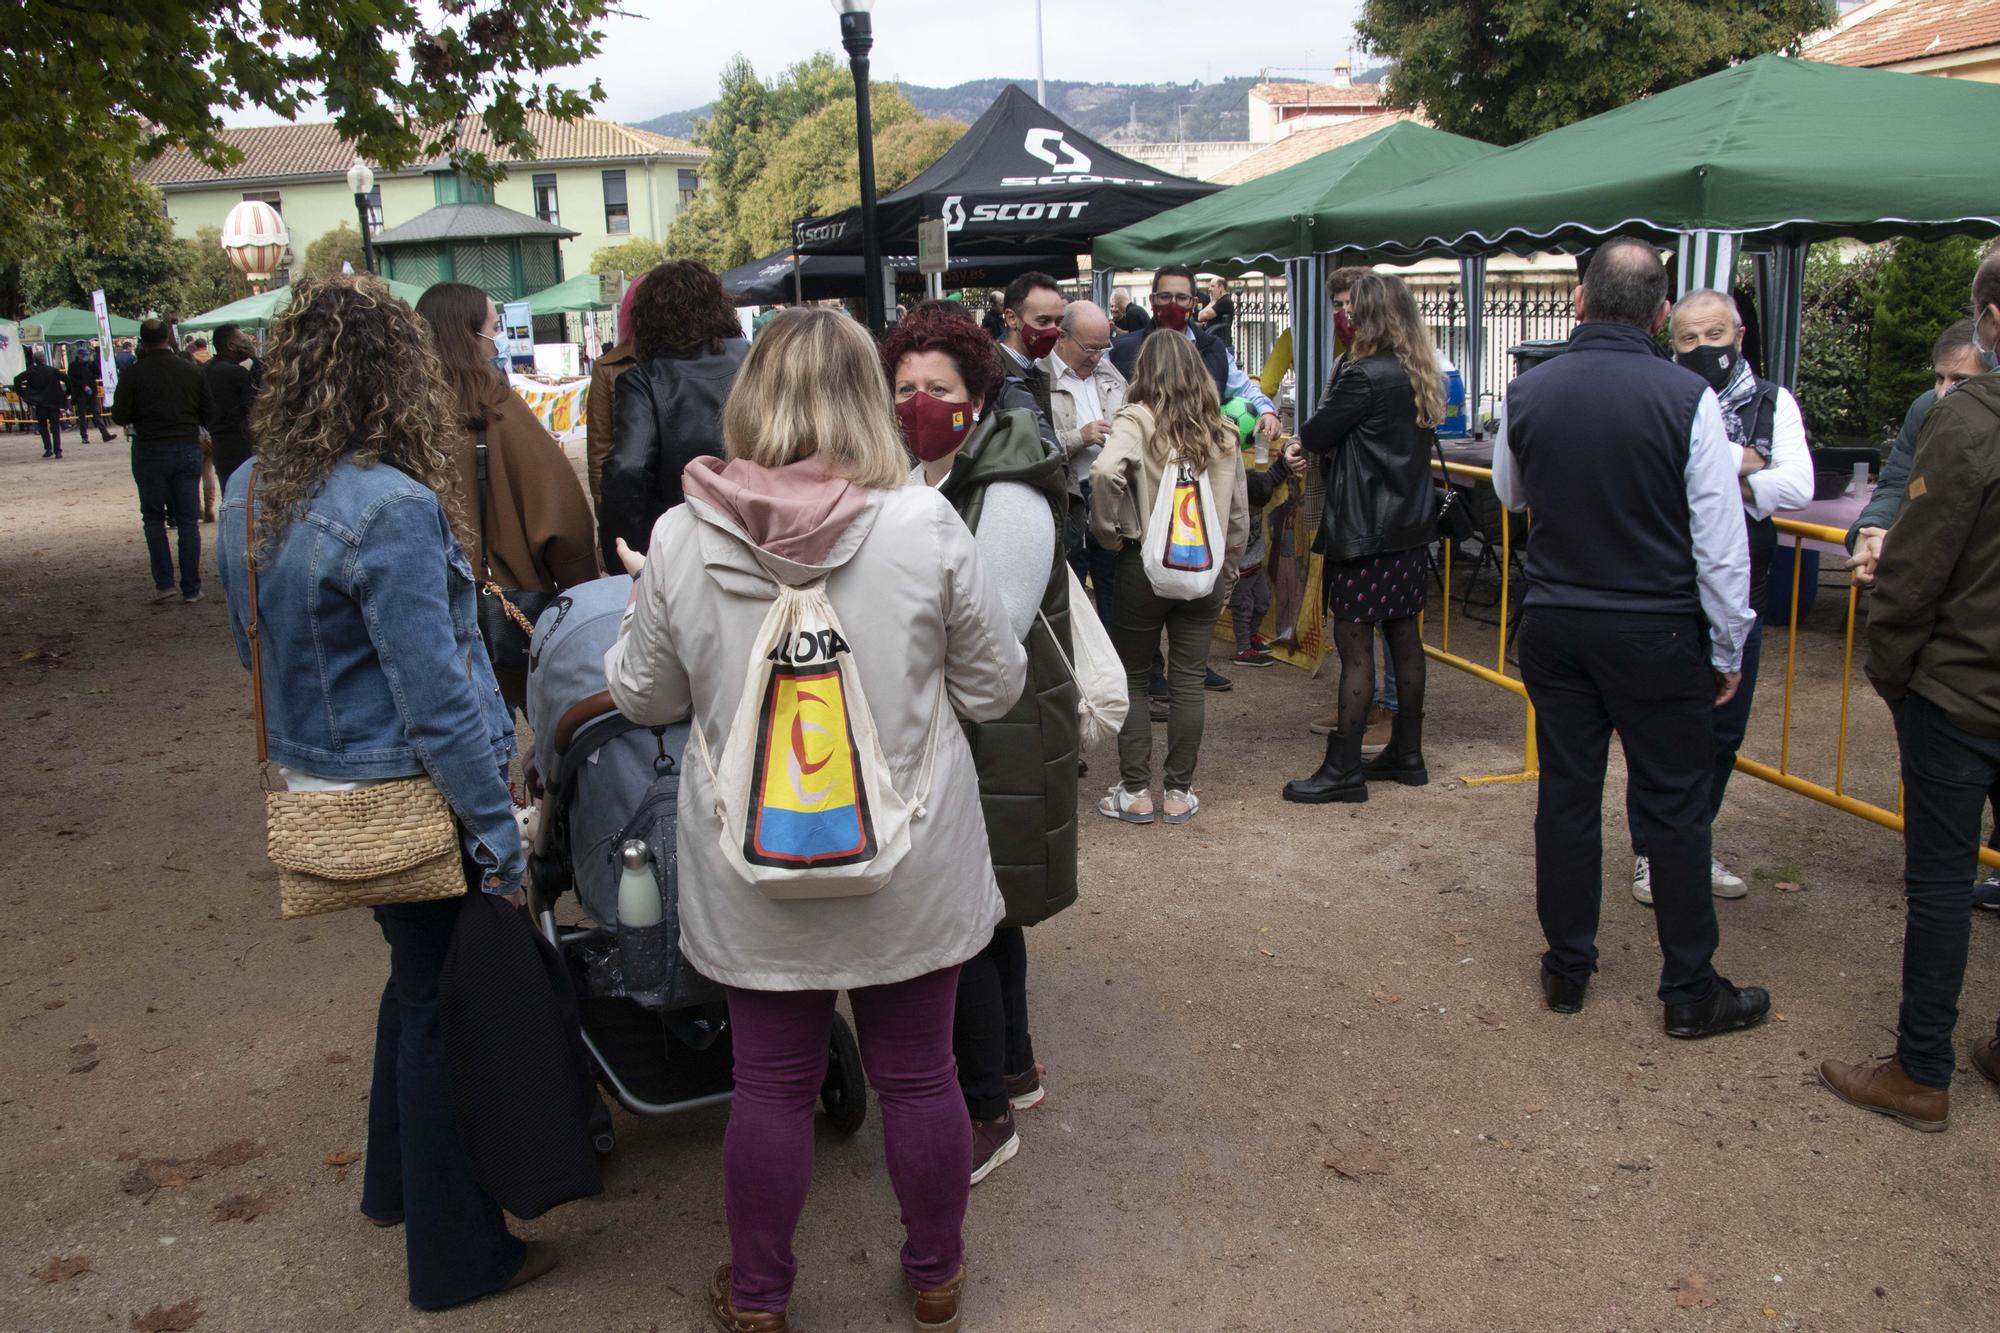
(1379, 494)
(667, 412)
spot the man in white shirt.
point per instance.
(1636, 616)
(1762, 420)
(1085, 392)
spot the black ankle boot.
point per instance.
(1340, 777)
(1403, 759)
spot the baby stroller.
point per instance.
(604, 828)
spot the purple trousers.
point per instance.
(767, 1152)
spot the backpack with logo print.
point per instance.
(1180, 550)
(804, 793)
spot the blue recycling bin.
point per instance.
(1454, 406)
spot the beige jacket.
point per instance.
(1068, 419)
(1125, 479)
(918, 609)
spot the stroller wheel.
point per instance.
(602, 1138)
(604, 1142)
(844, 1095)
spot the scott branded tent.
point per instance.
(1021, 181)
(773, 280)
(1277, 217)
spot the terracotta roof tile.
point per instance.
(1318, 94)
(1912, 30)
(317, 149)
(1301, 145)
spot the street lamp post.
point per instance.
(857, 34)
(362, 181)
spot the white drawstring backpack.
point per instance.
(1182, 555)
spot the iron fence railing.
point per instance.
(1512, 314)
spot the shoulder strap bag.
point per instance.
(507, 616)
(394, 842)
(1454, 520)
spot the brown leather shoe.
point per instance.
(1888, 1090)
(937, 1311)
(732, 1320)
(1986, 1058)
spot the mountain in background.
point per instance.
(1111, 112)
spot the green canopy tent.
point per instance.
(1769, 156)
(579, 295)
(262, 310)
(64, 323)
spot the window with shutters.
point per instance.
(546, 207)
(617, 218)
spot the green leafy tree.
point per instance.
(324, 256)
(634, 257)
(1924, 287)
(140, 265)
(1837, 315)
(94, 87)
(1506, 70)
(208, 279)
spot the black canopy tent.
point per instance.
(773, 281)
(1020, 182)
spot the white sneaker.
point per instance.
(1642, 880)
(1723, 884)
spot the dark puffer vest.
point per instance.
(1027, 760)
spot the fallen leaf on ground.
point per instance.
(84, 1048)
(1693, 1292)
(1387, 997)
(1494, 1021)
(337, 1057)
(168, 1318)
(1769, 1313)
(1367, 1159)
(234, 1154)
(54, 1004)
(1788, 886)
(1266, 952)
(62, 1269)
(1533, 1108)
(83, 1066)
(341, 1158)
(241, 1208)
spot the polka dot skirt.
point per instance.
(1375, 588)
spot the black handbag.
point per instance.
(507, 616)
(1454, 520)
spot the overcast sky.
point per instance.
(666, 54)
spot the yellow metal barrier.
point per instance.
(1835, 796)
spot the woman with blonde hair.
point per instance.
(813, 493)
(1378, 428)
(1171, 419)
(372, 669)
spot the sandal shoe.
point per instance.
(1186, 798)
(729, 1319)
(1122, 805)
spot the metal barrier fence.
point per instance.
(1781, 774)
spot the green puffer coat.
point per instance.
(1027, 760)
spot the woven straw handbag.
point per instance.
(394, 842)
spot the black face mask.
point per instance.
(1714, 364)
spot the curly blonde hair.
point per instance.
(1169, 378)
(351, 373)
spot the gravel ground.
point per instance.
(1300, 1073)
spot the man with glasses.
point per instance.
(1085, 392)
(1174, 304)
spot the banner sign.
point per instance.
(1296, 622)
(559, 406)
(106, 360)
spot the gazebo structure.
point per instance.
(469, 238)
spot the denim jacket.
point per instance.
(373, 665)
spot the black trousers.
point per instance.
(48, 420)
(990, 1033)
(1647, 677)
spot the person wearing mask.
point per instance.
(668, 408)
(988, 461)
(815, 489)
(1127, 316)
(1218, 317)
(372, 670)
(523, 519)
(164, 403)
(1933, 639)
(86, 391)
(41, 387)
(1637, 610)
(1955, 358)
(229, 383)
(601, 415)
(1085, 392)
(1762, 420)
(1171, 418)
(1032, 308)
(1380, 518)
(994, 321)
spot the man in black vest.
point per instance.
(1174, 305)
(1637, 612)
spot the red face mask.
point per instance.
(931, 426)
(1040, 342)
(1173, 317)
(1343, 325)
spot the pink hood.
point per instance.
(797, 512)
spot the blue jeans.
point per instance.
(455, 1236)
(169, 480)
(1386, 696)
(1947, 774)
(1729, 725)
